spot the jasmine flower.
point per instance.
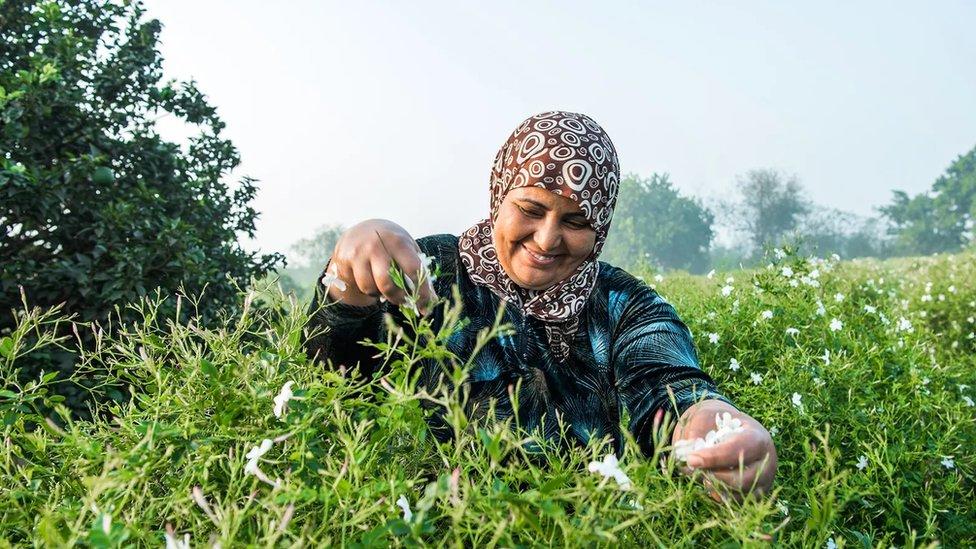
(328, 279)
(767, 314)
(609, 467)
(282, 399)
(713, 338)
(756, 378)
(725, 427)
(836, 324)
(862, 462)
(734, 366)
(405, 506)
(252, 468)
(948, 462)
(797, 401)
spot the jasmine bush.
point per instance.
(863, 371)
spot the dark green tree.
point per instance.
(97, 208)
(941, 219)
(654, 224)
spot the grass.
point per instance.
(888, 388)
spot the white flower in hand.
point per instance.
(330, 278)
(609, 467)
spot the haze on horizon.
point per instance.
(346, 111)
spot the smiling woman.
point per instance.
(591, 339)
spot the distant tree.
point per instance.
(941, 219)
(770, 206)
(316, 250)
(97, 208)
(825, 231)
(654, 224)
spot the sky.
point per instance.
(347, 111)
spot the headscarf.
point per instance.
(570, 155)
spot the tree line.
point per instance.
(656, 226)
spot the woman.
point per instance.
(589, 339)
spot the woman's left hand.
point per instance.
(742, 464)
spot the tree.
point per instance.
(97, 208)
(940, 220)
(654, 224)
(316, 250)
(771, 205)
(826, 230)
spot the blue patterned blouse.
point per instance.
(631, 350)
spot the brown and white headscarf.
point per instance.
(570, 155)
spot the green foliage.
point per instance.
(654, 225)
(771, 206)
(939, 220)
(316, 250)
(97, 208)
(889, 384)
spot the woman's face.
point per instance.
(541, 237)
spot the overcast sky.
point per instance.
(352, 110)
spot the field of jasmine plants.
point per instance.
(864, 371)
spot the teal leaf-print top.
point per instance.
(631, 352)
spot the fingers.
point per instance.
(754, 478)
(745, 447)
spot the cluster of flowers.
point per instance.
(725, 427)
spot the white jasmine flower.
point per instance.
(729, 280)
(814, 274)
(328, 279)
(773, 431)
(787, 271)
(831, 544)
(609, 467)
(734, 366)
(870, 309)
(862, 462)
(713, 338)
(794, 283)
(658, 278)
(253, 457)
(835, 325)
(405, 506)
(711, 274)
(826, 357)
(821, 310)
(838, 297)
(780, 254)
(904, 325)
(952, 289)
(767, 314)
(948, 462)
(107, 522)
(927, 297)
(793, 332)
(756, 378)
(782, 507)
(282, 399)
(797, 401)
(725, 427)
(968, 401)
(727, 290)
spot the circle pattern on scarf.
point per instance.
(568, 154)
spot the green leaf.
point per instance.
(7, 347)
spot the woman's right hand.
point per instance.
(362, 259)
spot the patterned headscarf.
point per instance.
(570, 155)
